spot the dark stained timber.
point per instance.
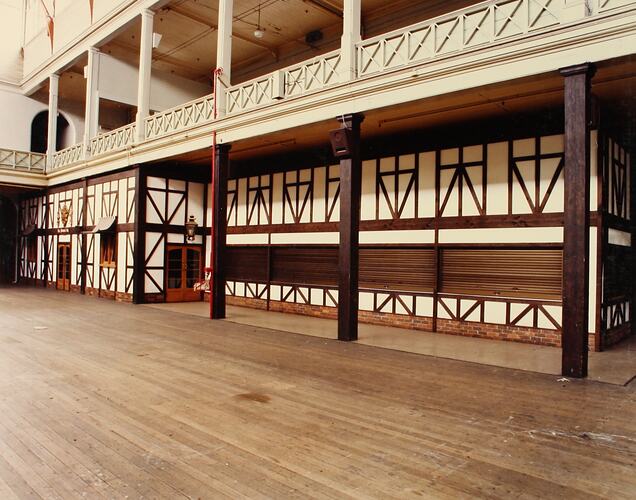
(350, 187)
(577, 97)
(219, 224)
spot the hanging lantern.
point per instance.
(191, 228)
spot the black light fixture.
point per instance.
(191, 228)
(340, 142)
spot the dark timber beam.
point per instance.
(84, 238)
(139, 260)
(576, 236)
(219, 230)
(350, 187)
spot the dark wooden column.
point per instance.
(576, 235)
(632, 218)
(219, 230)
(139, 259)
(84, 253)
(348, 253)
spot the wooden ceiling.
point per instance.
(189, 30)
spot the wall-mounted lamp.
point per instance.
(340, 142)
(156, 40)
(191, 228)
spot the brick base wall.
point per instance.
(526, 335)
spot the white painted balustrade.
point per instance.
(115, 140)
(68, 156)
(472, 27)
(176, 119)
(22, 160)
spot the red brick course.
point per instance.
(537, 336)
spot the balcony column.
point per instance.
(145, 73)
(348, 250)
(91, 117)
(51, 142)
(351, 35)
(576, 224)
(220, 172)
(223, 54)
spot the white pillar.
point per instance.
(224, 52)
(91, 117)
(351, 35)
(54, 84)
(145, 73)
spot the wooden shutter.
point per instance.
(617, 273)
(513, 272)
(399, 269)
(247, 264)
(305, 265)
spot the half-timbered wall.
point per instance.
(33, 218)
(61, 217)
(111, 197)
(169, 204)
(618, 253)
(464, 240)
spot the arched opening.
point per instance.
(7, 239)
(40, 130)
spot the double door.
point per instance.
(64, 266)
(183, 272)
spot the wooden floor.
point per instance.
(106, 400)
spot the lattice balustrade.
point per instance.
(22, 160)
(68, 156)
(461, 30)
(605, 5)
(114, 140)
(173, 120)
(313, 75)
(251, 94)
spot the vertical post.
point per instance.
(632, 218)
(139, 259)
(224, 54)
(84, 254)
(351, 35)
(91, 118)
(145, 73)
(219, 230)
(576, 235)
(348, 252)
(51, 143)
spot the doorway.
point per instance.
(64, 266)
(183, 272)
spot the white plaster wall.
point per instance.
(11, 29)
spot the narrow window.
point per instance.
(108, 254)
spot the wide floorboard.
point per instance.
(107, 400)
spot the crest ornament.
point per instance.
(63, 215)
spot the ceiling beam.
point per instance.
(325, 7)
(205, 22)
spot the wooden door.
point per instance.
(64, 266)
(183, 271)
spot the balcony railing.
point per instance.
(68, 156)
(22, 161)
(468, 28)
(299, 79)
(487, 23)
(182, 117)
(114, 140)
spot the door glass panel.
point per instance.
(67, 263)
(175, 260)
(193, 269)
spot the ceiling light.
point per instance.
(259, 32)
